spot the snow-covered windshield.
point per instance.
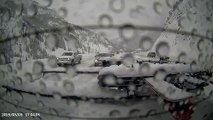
(67, 54)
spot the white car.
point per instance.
(118, 75)
(103, 59)
(152, 58)
(108, 59)
(123, 75)
(189, 81)
(69, 57)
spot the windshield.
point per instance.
(151, 54)
(67, 54)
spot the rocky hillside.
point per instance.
(30, 31)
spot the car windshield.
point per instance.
(67, 54)
(104, 55)
(151, 54)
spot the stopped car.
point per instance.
(151, 57)
(69, 57)
(190, 81)
(121, 76)
(107, 59)
(103, 59)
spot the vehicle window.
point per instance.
(151, 54)
(104, 55)
(67, 54)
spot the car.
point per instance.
(118, 76)
(69, 58)
(121, 76)
(189, 81)
(103, 59)
(108, 59)
(181, 86)
(152, 58)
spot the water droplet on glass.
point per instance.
(128, 60)
(114, 113)
(162, 49)
(182, 57)
(132, 87)
(170, 3)
(144, 69)
(38, 67)
(62, 12)
(160, 75)
(117, 5)
(109, 80)
(146, 43)
(52, 61)
(19, 64)
(28, 77)
(201, 58)
(105, 20)
(127, 32)
(201, 45)
(68, 86)
(157, 7)
(46, 3)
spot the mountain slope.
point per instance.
(39, 32)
